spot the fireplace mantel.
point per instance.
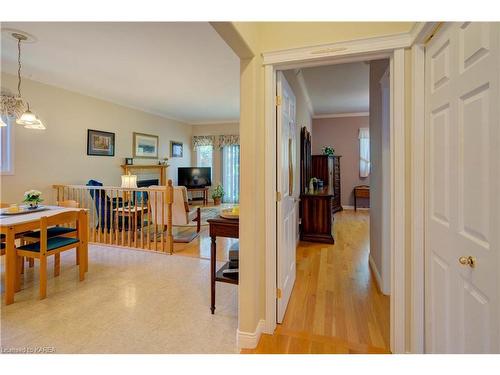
(161, 169)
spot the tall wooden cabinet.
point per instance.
(327, 168)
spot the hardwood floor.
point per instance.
(335, 306)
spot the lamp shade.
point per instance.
(27, 118)
(37, 125)
(129, 181)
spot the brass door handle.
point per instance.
(468, 261)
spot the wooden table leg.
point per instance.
(213, 251)
(10, 266)
(355, 202)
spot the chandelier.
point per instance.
(14, 105)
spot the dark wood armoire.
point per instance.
(316, 213)
(327, 168)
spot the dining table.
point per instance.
(12, 226)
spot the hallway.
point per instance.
(335, 306)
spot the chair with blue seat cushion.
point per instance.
(54, 231)
(55, 245)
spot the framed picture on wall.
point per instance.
(100, 143)
(145, 146)
(176, 149)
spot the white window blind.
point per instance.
(231, 173)
(364, 152)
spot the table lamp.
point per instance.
(129, 181)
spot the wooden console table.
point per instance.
(204, 190)
(220, 227)
(161, 169)
(362, 191)
(317, 215)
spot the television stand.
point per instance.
(204, 190)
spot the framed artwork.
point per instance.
(145, 146)
(129, 161)
(176, 149)
(100, 143)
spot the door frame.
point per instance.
(392, 47)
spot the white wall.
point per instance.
(215, 129)
(58, 155)
(380, 178)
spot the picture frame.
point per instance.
(129, 161)
(100, 143)
(145, 146)
(176, 149)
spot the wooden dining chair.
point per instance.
(66, 231)
(48, 246)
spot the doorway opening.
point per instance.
(395, 204)
(327, 119)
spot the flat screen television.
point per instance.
(194, 177)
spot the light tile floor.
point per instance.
(130, 302)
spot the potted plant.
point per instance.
(32, 198)
(218, 194)
(328, 150)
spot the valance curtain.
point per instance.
(229, 140)
(364, 152)
(203, 140)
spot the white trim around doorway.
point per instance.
(287, 60)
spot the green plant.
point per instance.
(32, 197)
(328, 150)
(218, 192)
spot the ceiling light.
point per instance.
(12, 106)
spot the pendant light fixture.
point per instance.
(12, 106)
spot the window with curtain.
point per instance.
(204, 156)
(7, 163)
(364, 152)
(231, 173)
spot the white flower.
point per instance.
(32, 193)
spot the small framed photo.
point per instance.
(100, 143)
(129, 161)
(145, 146)
(176, 149)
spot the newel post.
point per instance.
(170, 199)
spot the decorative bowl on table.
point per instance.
(230, 212)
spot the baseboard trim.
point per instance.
(374, 269)
(250, 340)
(359, 208)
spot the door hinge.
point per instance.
(278, 100)
(278, 196)
(278, 293)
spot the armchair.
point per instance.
(181, 214)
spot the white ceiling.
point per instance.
(180, 70)
(338, 89)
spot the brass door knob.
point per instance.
(468, 261)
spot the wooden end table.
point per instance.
(220, 227)
(204, 190)
(362, 191)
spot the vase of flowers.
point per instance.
(218, 194)
(32, 198)
(328, 150)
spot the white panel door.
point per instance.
(462, 181)
(286, 215)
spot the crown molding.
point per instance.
(338, 115)
(305, 92)
(221, 122)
